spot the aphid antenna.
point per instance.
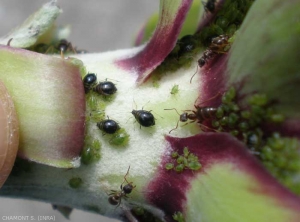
(156, 114)
(129, 118)
(145, 105)
(9, 41)
(151, 110)
(134, 103)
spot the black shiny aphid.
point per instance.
(89, 81)
(108, 126)
(106, 88)
(144, 118)
(187, 44)
(210, 5)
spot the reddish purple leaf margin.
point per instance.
(161, 43)
(211, 148)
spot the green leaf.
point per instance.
(34, 27)
(265, 55)
(49, 98)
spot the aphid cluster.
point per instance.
(116, 196)
(280, 155)
(143, 214)
(187, 160)
(178, 216)
(230, 117)
(144, 118)
(105, 88)
(91, 151)
(226, 21)
(118, 135)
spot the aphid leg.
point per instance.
(134, 103)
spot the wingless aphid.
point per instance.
(89, 81)
(105, 88)
(108, 126)
(144, 118)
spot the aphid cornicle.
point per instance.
(108, 126)
(144, 118)
(105, 88)
(89, 81)
(115, 197)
